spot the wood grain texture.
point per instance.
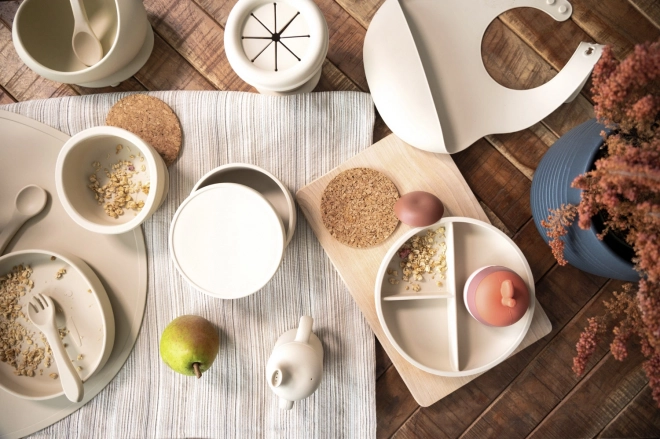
(496, 182)
(596, 399)
(359, 267)
(649, 9)
(5, 98)
(19, 80)
(615, 22)
(640, 418)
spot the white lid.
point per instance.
(226, 240)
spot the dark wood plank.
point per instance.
(615, 22)
(496, 182)
(650, 9)
(510, 61)
(554, 41)
(545, 382)
(166, 69)
(569, 115)
(524, 149)
(362, 10)
(22, 83)
(640, 418)
(596, 400)
(197, 37)
(5, 97)
(534, 248)
(450, 416)
(394, 403)
(383, 362)
(332, 79)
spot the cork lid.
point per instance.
(497, 296)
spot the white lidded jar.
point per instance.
(277, 46)
(295, 367)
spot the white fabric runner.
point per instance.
(298, 139)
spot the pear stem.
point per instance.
(198, 373)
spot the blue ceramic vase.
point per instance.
(574, 154)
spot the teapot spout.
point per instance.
(304, 329)
(285, 404)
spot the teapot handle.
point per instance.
(304, 329)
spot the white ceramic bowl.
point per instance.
(99, 144)
(42, 33)
(85, 311)
(261, 181)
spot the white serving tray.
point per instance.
(28, 152)
(432, 328)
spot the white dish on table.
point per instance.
(28, 152)
(431, 328)
(226, 240)
(95, 151)
(83, 309)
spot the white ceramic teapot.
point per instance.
(295, 367)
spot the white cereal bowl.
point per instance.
(42, 33)
(74, 166)
(226, 240)
(261, 181)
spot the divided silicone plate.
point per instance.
(432, 328)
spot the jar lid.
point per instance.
(497, 296)
(226, 240)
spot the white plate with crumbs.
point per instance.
(84, 318)
(426, 319)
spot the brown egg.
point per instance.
(419, 209)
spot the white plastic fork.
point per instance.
(42, 313)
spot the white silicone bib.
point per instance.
(423, 63)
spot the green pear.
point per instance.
(189, 345)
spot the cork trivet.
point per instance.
(357, 207)
(152, 120)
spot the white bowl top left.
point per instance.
(227, 240)
(95, 151)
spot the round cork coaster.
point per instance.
(357, 207)
(152, 120)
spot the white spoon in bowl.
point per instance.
(86, 45)
(29, 202)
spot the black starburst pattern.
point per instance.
(275, 36)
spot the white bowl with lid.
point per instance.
(226, 240)
(263, 182)
(277, 47)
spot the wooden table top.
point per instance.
(535, 392)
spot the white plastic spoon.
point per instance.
(29, 202)
(86, 45)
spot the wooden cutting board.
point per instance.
(410, 169)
